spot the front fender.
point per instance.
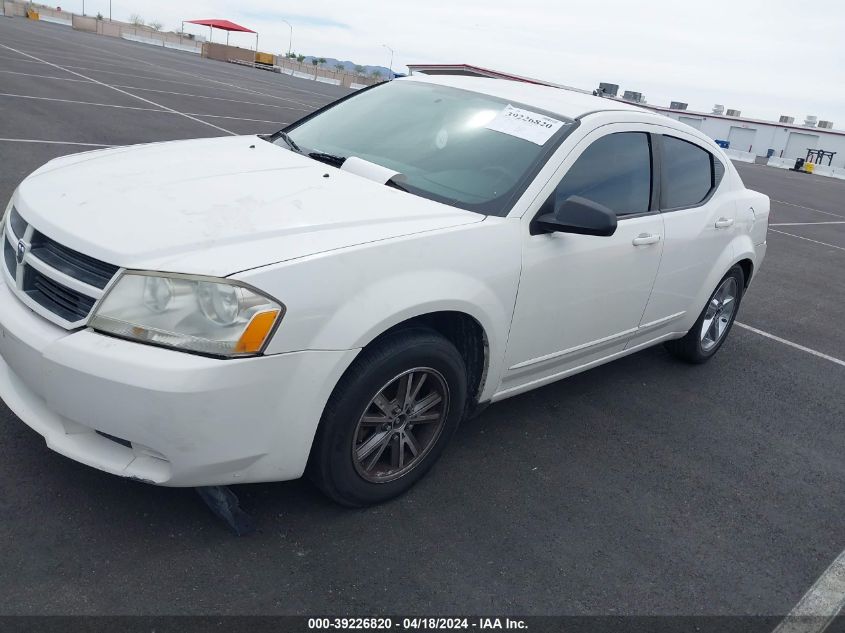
(344, 299)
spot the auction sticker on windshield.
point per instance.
(525, 124)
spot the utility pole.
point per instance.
(290, 41)
(391, 59)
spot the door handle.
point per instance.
(644, 239)
(724, 223)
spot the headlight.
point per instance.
(193, 314)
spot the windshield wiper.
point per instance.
(290, 142)
(329, 159)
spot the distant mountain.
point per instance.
(350, 66)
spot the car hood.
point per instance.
(216, 206)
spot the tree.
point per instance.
(376, 74)
(321, 61)
(136, 19)
(359, 70)
(155, 25)
(340, 67)
(291, 55)
(300, 58)
(315, 61)
(99, 16)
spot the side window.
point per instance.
(688, 174)
(614, 171)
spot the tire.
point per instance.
(356, 420)
(698, 346)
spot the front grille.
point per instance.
(82, 267)
(9, 256)
(43, 279)
(17, 223)
(70, 305)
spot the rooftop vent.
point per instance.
(789, 120)
(734, 113)
(811, 120)
(827, 125)
(718, 109)
(678, 105)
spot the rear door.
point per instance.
(699, 223)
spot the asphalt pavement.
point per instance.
(642, 487)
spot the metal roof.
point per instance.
(225, 25)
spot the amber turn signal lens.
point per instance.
(256, 333)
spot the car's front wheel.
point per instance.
(714, 323)
(389, 418)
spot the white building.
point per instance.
(783, 140)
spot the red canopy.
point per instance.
(222, 24)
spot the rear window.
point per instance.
(687, 174)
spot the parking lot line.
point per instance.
(807, 223)
(35, 140)
(801, 206)
(236, 118)
(89, 103)
(823, 602)
(123, 107)
(16, 72)
(199, 76)
(808, 239)
(129, 94)
(203, 77)
(791, 344)
(231, 87)
(186, 94)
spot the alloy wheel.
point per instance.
(400, 425)
(719, 314)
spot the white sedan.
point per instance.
(337, 297)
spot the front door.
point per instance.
(582, 297)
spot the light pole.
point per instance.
(109, 10)
(83, 7)
(391, 59)
(290, 41)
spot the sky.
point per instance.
(765, 58)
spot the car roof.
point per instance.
(567, 103)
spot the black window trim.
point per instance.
(654, 200)
(714, 185)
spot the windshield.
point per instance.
(469, 150)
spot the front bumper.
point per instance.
(184, 420)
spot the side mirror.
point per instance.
(576, 215)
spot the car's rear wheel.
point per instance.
(389, 418)
(714, 323)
